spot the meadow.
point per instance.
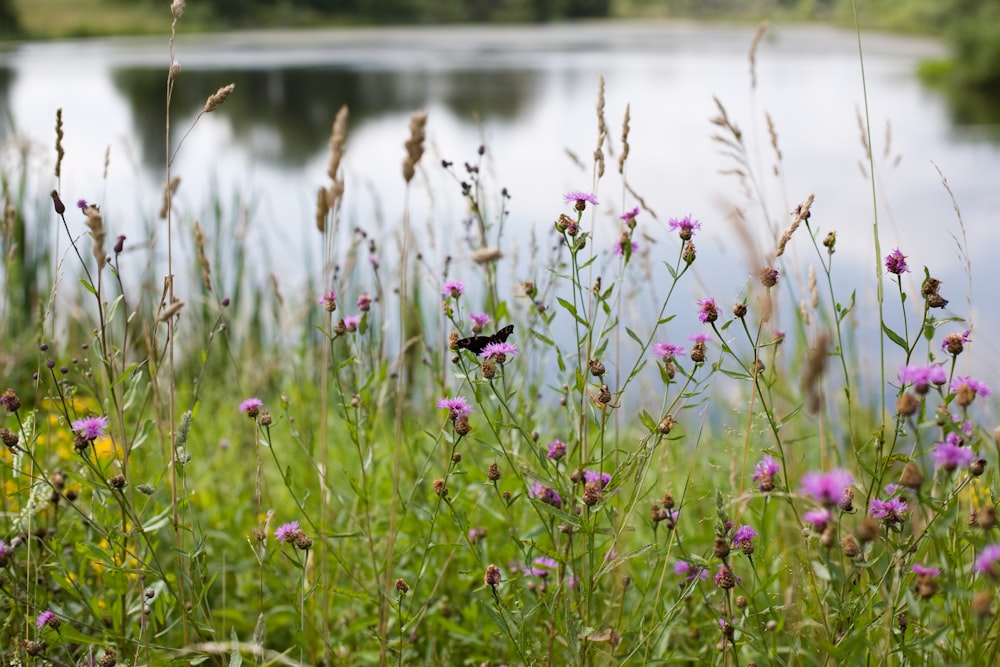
(414, 462)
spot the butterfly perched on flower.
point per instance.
(476, 344)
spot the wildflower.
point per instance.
(402, 587)
(764, 473)
(671, 520)
(954, 343)
(498, 351)
(818, 518)
(287, 532)
(667, 351)
(453, 289)
(690, 572)
(364, 303)
(493, 472)
(926, 586)
(329, 301)
(492, 576)
(895, 262)
(119, 244)
(592, 477)
(724, 578)
(557, 450)
(628, 217)
(986, 562)
(547, 495)
(686, 225)
(625, 242)
(251, 406)
(597, 368)
(91, 428)
(827, 488)
(457, 406)
(922, 377)
(743, 539)
(542, 567)
(689, 254)
(580, 199)
(707, 311)
(966, 389)
(57, 203)
(950, 456)
(479, 320)
(923, 571)
(699, 347)
(891, 511)
(48, 618)
(10, 401)
(351, 322)
(768, 276)
(82, 204)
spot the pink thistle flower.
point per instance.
(557, 450)
(686, 226)
(494, 350)
(352, 322)
(708, 312)
(91, 428)
(891, 511)
(479, 319)
(818, 518)
(49, 619)
(827, 488)
(924, 571)
(287, 532)
(986, 562)
(580, 199)
(453, 289)
(895, 262)
(251, 404)
(458, 406)
(667, 351)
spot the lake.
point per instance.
(250, 169)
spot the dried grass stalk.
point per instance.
(801, 213)
(206, 268)
(218, 97)
(625, 146)
(602, 130)
(415, 144)
(754, 43)
(95, 223)
(169, 190)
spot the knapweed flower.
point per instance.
(966, 389)
(479, 319)
(48, 619)
(497, 350)
(252, 407)
(667, 351)
(923, 571)
(818, 518)
(725, 578)
(628, 217)
(922, 377)
(580, 199)
(594, 477)
(547, 495)
(10, 401)
(764, 473)
(364, 303)
(690, 572)
(453, 289)
(986, 561)
(685, 226)
(619, 247)
(329, 301)
(895, 262)
(287, 532)
(708, 312)
(768, 276)
(541, 567)
(91, 428)
(457, 406)
(891, 511)
(82, 204)
(557, 450)
(352, 322)
(950, 456)
(492, 576)
(699, 348)
(954, 343)
(827, 488)
(743, 539)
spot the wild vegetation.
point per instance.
(435, 469)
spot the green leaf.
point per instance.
(235, 657)
(894, 337)
(571, 309)
(634, 336)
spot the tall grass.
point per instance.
(390, 489)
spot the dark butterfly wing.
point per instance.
(476, 344)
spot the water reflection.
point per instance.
(285, 114)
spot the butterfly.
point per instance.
(475, 344)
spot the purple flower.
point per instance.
(667, 351)
(743, 538)
(287, 532)
(619, 248)
(82, 204)
(764, 473)
(685, 225)
(962, 382)
(895, 262)
(352, 322)
(827, 488)
(329, 301)
(699, 337)
(891, 511)
(923, 571)
(986, 562)
(479, 319)
(580, 199)
(690, 572)
(47, 618)
(453, 289)
(818, 518)
(542, 567)
(950, 456)
(779, 335)
(671, 520)
(458, 406)
(954, 343)
(557, 450)
(923, 376)
(707, 310)
(251, 406)
(364, 303)
(725, 578)
(547, 495)
(493, 350)
(593, 477)
(91, 428)
(629, 216)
